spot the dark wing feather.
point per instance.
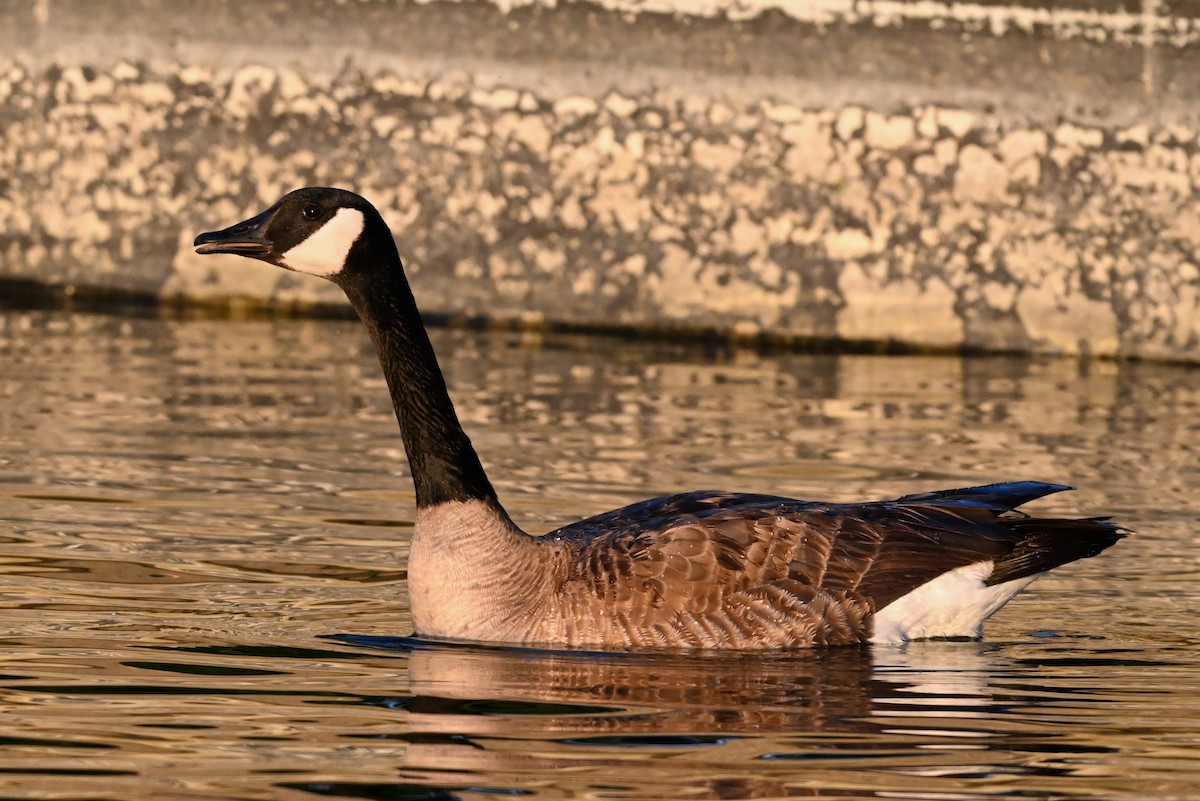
(885, 550)
(661, 513)
(1003, 497)
(1047, 544)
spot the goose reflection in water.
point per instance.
(834, 722)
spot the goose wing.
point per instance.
(689, 552)
(703, 570)
(694, 553)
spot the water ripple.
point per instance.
(197, 513)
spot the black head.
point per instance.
(312, 230)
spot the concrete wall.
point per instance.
(995, 175)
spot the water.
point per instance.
(192, 509)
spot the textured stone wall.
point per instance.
(999, 177)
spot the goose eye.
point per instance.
(312, 211)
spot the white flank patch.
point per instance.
(324, 252)
(954, 604)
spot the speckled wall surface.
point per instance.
(996, 176)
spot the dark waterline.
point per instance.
(30, 295)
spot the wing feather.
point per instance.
(741, 570)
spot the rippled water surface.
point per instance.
(205, 528)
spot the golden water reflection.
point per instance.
(191, 509)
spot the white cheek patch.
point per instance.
(324, 252)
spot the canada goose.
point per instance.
(696, 570)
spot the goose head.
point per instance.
(317, 230)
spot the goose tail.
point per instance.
(958, 602)
(1047, 543)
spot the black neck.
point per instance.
(444, 465)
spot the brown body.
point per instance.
(707, 569)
